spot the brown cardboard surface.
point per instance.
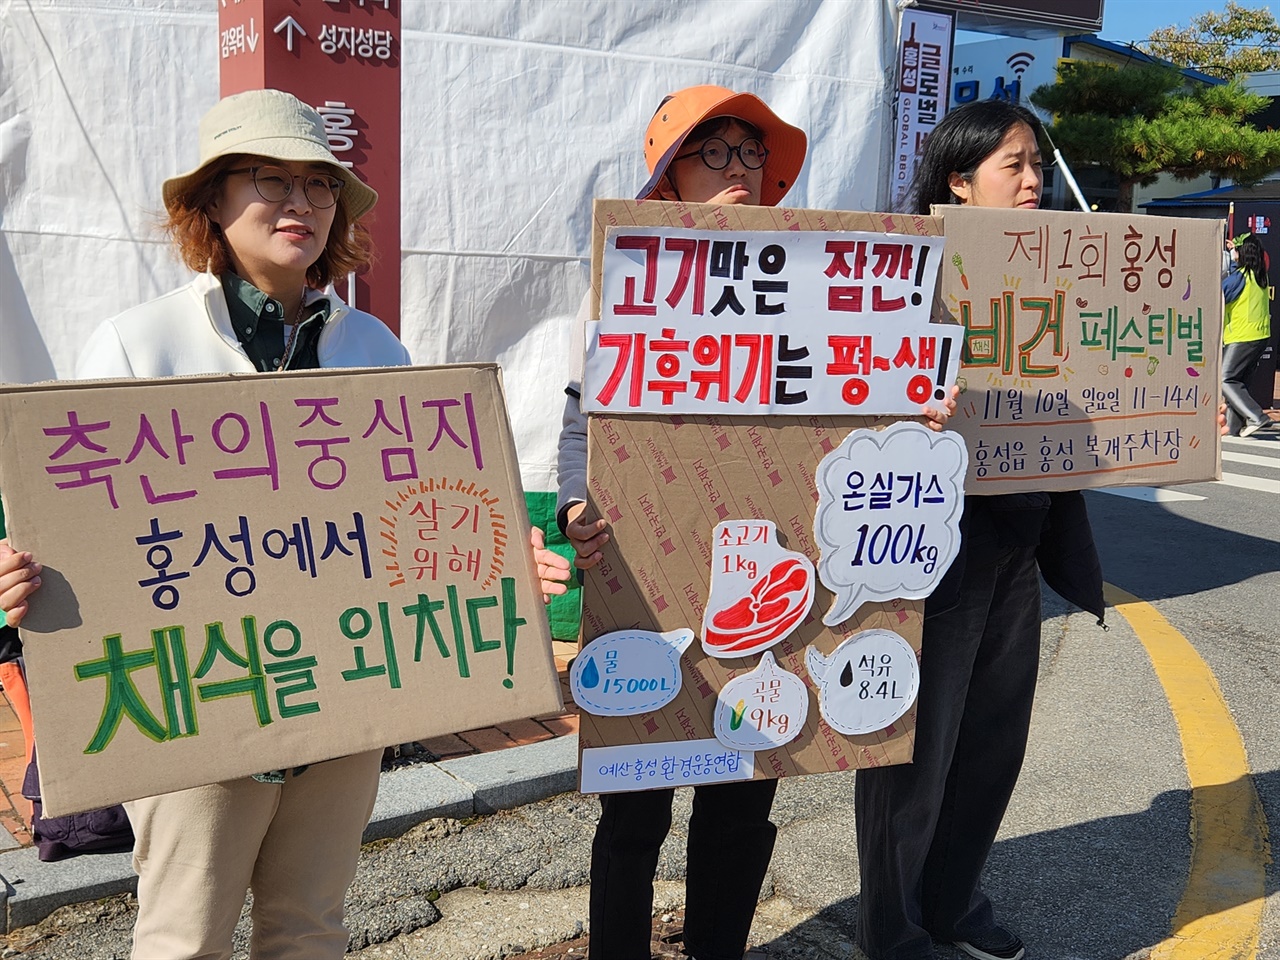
(1158, 425)
(663, 487)
(663, 483)
(451, 489)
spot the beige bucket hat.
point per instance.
(273, 124)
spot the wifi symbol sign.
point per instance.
(1019, 63)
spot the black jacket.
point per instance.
(1056, 524)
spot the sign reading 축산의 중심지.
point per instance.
(241, 580)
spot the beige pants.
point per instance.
(295, 844)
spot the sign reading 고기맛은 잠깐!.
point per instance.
(738, 350)
(762, 533)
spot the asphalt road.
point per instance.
(1097, 858)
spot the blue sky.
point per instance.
(1133, 20)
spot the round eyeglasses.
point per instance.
(717, 153)
(274, 184)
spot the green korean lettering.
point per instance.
(292, 676)
(425, 611)
(362, 669)
(175, 681)
(123, 699)
(255, 685)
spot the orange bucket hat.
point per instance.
(685, 109)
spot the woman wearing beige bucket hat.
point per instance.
(706, 145)
(269, 217)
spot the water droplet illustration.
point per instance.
(590, 675)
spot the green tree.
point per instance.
(1237, 40)
(1141, 121)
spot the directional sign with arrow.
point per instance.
(289, 25)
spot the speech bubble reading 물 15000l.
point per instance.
(888, 517)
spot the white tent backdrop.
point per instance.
(516, 113)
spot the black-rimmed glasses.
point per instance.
(717, 153)
(274, 184)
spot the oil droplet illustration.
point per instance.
(846, 675)
(590, 675)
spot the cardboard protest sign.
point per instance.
(246, 574)
(667, 483)
(1092, 347)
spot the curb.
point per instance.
(463, 787)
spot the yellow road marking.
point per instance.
(1220, 914)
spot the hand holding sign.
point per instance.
(888, 514)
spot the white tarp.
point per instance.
(516, 114)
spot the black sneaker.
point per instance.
(995, 944)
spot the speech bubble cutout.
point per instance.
(867, 683)
(888, 517)
(759, 591)
(626, 672)
(762, 709)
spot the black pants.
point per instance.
(925, 828)
(730, 842)
(1239, 360)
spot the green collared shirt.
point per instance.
(259, 322)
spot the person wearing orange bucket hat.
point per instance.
(707, 145)
(704, 144)
(691, 124)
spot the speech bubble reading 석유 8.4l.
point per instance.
(867, 683)
(627, 672)
(888, 518)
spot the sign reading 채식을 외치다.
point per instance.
(243, 580)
